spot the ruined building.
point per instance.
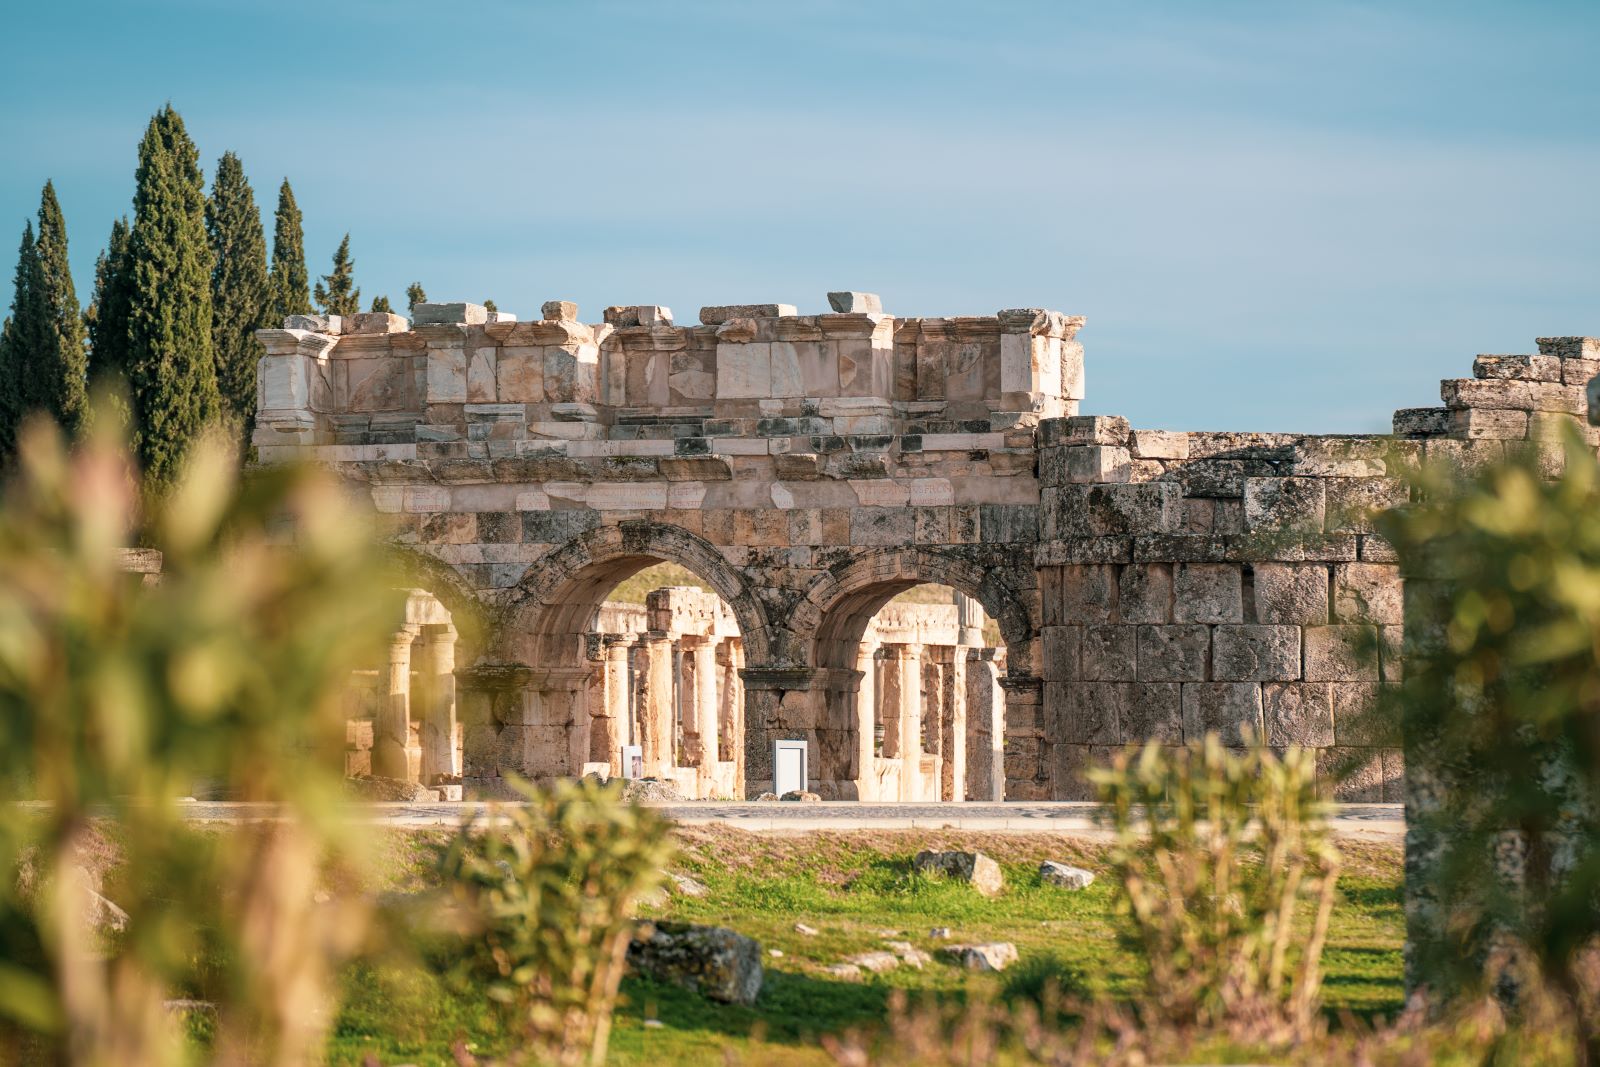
(810, 468)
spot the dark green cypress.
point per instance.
(415, 295)
(340, 296)
(55, 378)
(20, 337)
(291, 285)
(381, 303)
(107, 315)
(171, 369)
(241, 295)
(489, 305)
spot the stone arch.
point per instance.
(553, 604)
(471, 617)
(837, 607)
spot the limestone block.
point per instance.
(744, 370)
(572, 373)
(1097, 463)
(1341, 653)
(1294, 594)
(1232, 710)
(1485, 393)
(1061, 651)
(687, 378)
(447, 375)
(787, 379)
(853, 303)
(882, 526)
(559, 311)
(1255, 653)
(1298, 713)
(1208, 592)
(331, 324)
(1091, 713)
(1493, 424)
(519, 375)
(376, 322)
(1073, 386)
(975, 868)
(445, 314)
(718, 314)
(654, 315)
(1579, 371)
(1115, 509)
(285, 383)
(1353, 503)
(501, 316)
(1154, 712)
(1145, 592)
(1289, 504)
(1160, 444)
(1520, 368)
(1109, 653)
(1421, 422)
(1175, 653)
(1088, 593)
(481, 375)
(1547, 396)
(1367, 592)
(1569, 347)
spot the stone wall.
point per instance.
(809, 468)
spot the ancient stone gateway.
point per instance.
(809, 468)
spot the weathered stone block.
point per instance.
(1096, 464)
(1492, 424)
(1173, 653)
(559, 311)
(1255, 653)
(1145, 593)
(446, 314)
(1293, 594)
(1208, 592)
(1361, 718)
(1112, 509)
(1367, 592)
(1088, 593)
(1298, 713)
(1109, 654)
(1061, 652)
(1421, 422)
(1160, 444)
(1232, 710)
(852, 303)
(1288, 504)
(1154, 712)
(1520, 368)
(1341, 654)
(718, 314)
(1092, 714)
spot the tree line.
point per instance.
(178, 295)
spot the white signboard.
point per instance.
(633, 761)
(788, 766)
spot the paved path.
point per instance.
(1376, 821)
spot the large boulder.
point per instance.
(717, 962)
(650, 790)
(974, 867)
(390, 790)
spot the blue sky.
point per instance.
(1275, 216)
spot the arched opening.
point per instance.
(924, 659)
(619, 654)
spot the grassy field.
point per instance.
(855, 889)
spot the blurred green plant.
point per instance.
(546, 892)
(1214, 853)
(118, 694)
(1501, 711)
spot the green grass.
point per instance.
(853, 888)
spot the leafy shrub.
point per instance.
(1214, 854)
(547, 890)
(118, 694)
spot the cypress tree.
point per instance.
(171, 370)
(241, 295)
(380, 303)
(55, 377)
(107, 315)
(489, 305)
(415, 295)
(20, 337)
(339, 296)
(291, 286)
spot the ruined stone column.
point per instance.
(953, 732)
(969, 621)
(701, 710)
(490, 700)
(439, 704)
(986, 723)
(902, 714)
(656, 704)
(394, 721)
(611, 726)
(865, 717)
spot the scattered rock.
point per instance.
(989, 956)
(775, 953)
(653, 1024)
(102, 915)
(656, 790)
(375, 787)
(876, 962)
(909, 954)
(189, 1007)
(686, 886)
(802, 796)
(940, 933)
(766, 796)
(1065, 875)
(802, 928)
(842, 970)
(719, 963)
(974, 867)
